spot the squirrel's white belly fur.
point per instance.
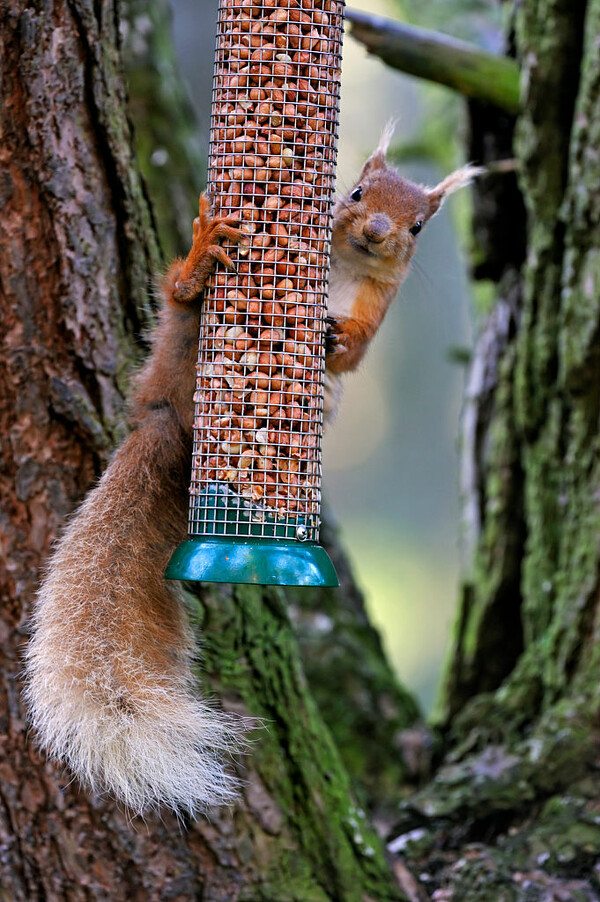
(344, 288)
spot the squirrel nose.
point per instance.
(377, 228)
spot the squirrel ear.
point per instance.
(457, 179)
(377, 158)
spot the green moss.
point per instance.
(252, 657)
(480, 876)
(515, 805)
(567, 831)
(365, 708)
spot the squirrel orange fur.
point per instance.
(109, 681)
(375, 228)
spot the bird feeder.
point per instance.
(256, 471)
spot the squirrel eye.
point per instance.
(414, 230)
(356, 194)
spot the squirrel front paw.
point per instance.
(334, 337)
(205, 251)
(346, 341)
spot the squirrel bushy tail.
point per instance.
(109, 679)
(109, 682)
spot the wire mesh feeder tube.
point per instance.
(256, 472)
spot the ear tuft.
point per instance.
(457, 179)
(386, 137)
(377, 158)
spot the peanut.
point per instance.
(271, 162)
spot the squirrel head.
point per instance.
(375, 225)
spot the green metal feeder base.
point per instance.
(249, 559)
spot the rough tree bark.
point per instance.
(78, 262)
(512, 813)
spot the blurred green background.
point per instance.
(391, 466)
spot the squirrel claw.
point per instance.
(223, 230)
(331, 329)
(330, 344)
(222, 256)
(334, 336)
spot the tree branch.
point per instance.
(428, 54)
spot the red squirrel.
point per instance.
(109, 682)
(375, 228)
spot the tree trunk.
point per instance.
(512, 812)
(78, 261)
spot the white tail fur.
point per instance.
(109, 681)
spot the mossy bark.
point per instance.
(512, 812)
